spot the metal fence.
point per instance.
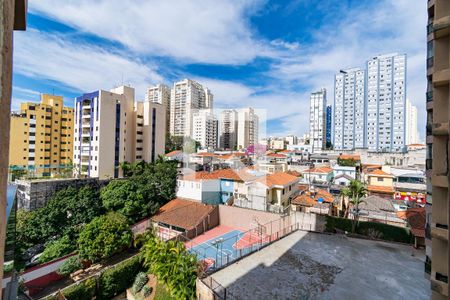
(224, 251)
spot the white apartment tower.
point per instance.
(187, 97)
(248, 126)
(317, 119)
(109, 131)
(228, 129)
(205, 128)
(349, 109)
(160, 93)
(386, 103)
(412, 135)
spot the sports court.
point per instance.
(224, 244)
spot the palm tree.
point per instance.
(355, 193)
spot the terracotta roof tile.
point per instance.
(325, 170)
(173, 153)
(379, 173)
(355, 157)
(380, 189)
(310, 199)
(416, 218)
(237, 175)
(280, 179)
(183, 213)
(276, 155)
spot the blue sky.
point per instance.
(266, 54)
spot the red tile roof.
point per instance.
(173, 153)
(355, 157)
(278, 179)
(380, 189)
(237, 175)
(416, 218)
(205, 154)
(379, 172)
(276, 155)
(325, 170)
(183, 213)
(295, 173)
(308, 198)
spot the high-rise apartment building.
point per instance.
(228, 129)
(317, 119)
(328, 126)
(110, 129)
(187, 97)
(205, 128)
(349, 109)
(437, 163)
(248, 128)
(386, 103)
(42, 137)
(291, 139)
(160, 93)
(412, 135)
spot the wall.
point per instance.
(244, 218)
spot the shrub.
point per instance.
(117, 279)
(173, 265)
(57, 249)
(139, 282)
(83, 291)
(104, 236)
(371, 229)
(146, 291)
(71, 265)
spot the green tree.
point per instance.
(350, 162)
(355, 192)
(126, 168)
(69, 266)
(190, 145)
(173, 265)
(56, 249)
(104, 236)
(173, 143)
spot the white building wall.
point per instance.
(386, 103)
(412, 134)
(317, 119)
(205, 128)
(160, 93)
(248, 131)
(228, 129)
(349, 109)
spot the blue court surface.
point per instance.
(219, 250)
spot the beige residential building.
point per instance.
(42, 137)
(205, 128)
(248, 124)
(110, 129)
(228, 129)
(186, 98)
(160, 93)
(438, 117)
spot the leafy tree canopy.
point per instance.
(104, 236)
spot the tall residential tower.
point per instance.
(228, 129)
(317, 119)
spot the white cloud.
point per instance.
(214, 32)
(79, 66)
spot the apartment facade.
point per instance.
(205, 128)
(412, 134)
(248, 128)
(386, 103)
(437, 163)
(160, 94)
(349, 109)
(228, 129)
(187, 97)
(41, 136)
(317, 119)
(329, 118)
(111, 129)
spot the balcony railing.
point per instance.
(430, 62)
(430, 28)
(429, 96)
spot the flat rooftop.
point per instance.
(307, 265)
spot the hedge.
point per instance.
(117, 279)
(371, 229)
(110, 283)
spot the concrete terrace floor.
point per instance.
(307, 265)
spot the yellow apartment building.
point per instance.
(42, 137)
